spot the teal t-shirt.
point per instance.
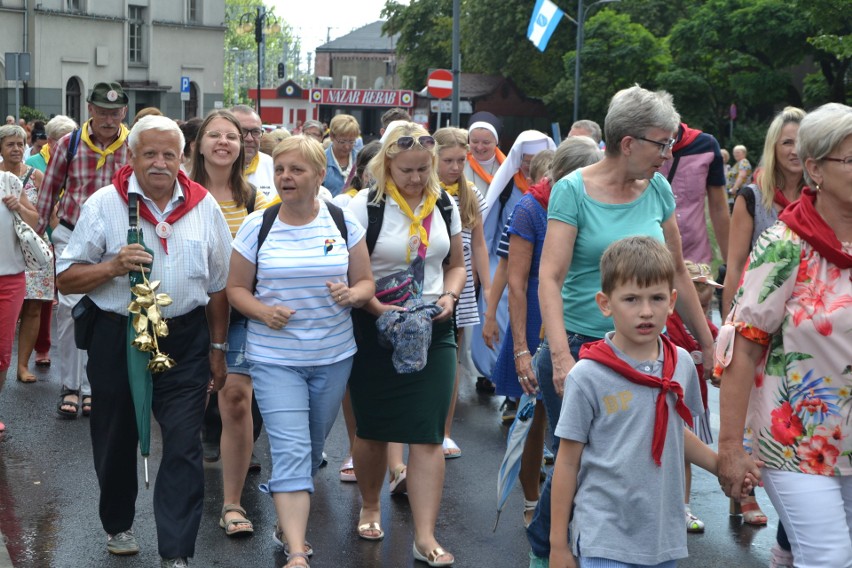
(599, 225)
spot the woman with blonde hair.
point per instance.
(391, 406)
(340, 154)
(452, 148)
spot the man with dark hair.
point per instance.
(395, 113)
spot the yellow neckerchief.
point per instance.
(451, 189)
(416, 227)
(252, 167)
(119, 142)
(352, 192)
(45, 153)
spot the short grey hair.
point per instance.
(822, 131)
(634, 111)
(590, 126)
(8, 130)
(243, 109)
(59, 126)
(154, 122)
(574, 152)
(313, 124)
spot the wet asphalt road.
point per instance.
(49, 517)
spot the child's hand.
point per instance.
(752, 479)
(561, 557)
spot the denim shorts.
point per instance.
(236, 356)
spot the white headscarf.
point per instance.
(528, 142)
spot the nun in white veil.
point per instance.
(510, 182)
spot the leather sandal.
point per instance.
(294, 556)
(86, 404)
(397, 480)
(279, 539)
(68, 414)
(431, 558)
(235, 527)
(371, 526)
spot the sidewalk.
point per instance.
(5, 561)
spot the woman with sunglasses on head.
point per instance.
(408, 408)
(622, 195)
(218, 158)
(784, 354)
(341, 153)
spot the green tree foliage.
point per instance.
(241, 48)
(426, 38)
(616, 54)
(759, 54)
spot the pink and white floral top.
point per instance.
(800, 306)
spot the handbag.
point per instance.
(407, 284)
(37, 253)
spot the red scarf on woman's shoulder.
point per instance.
(802, 217)
(541, 191)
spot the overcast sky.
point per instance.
(316, 21)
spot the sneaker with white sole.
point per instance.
(122, 544)
(693, 523)
(174, 563)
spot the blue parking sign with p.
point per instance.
(184, 84)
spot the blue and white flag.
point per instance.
(546, 16)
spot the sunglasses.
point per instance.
(407, 142)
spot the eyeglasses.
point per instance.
(847, 162)
(344, 142)
(407, 142)
(216, 135)
(253, 132)
(664, 146)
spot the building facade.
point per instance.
(145, 45)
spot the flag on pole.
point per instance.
(546, 16)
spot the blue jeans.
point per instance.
(607, 563)
(236, 356)
(299, 406)
(538, 533)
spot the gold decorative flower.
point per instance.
(148, 323)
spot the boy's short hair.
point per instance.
(644, 260)
(540, 164)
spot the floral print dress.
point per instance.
(39, 282)
(800, 306)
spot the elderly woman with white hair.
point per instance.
(56, 128)
(785, 353)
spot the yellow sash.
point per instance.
(252, 167)
(119, 142)
(45, 153)
(416, 227)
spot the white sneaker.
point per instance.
(693, 523)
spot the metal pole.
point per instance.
(456, 62)
(17, 86)
(258, 23)
(577, 60)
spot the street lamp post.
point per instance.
(259, 21)
(580, 22)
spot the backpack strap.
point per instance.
(339, 220)
(73, 143)
(269, 215)
(375, 218)
(251, 200)
(445, 206)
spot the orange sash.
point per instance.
(477, 167)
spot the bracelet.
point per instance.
(522, 353)
(450, 293)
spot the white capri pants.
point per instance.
(816, 511)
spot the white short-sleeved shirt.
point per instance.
(293, 266)
(263, 178)
(392, 244)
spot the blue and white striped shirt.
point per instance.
(294, 264)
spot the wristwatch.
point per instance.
(220, 346)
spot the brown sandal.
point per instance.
(233, 527)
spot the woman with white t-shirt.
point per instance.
(409, 408)
(300, 343)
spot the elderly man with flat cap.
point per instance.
(184, 227)
(98, 150)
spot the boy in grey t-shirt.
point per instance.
(623, 413)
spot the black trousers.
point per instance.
(178, 406)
